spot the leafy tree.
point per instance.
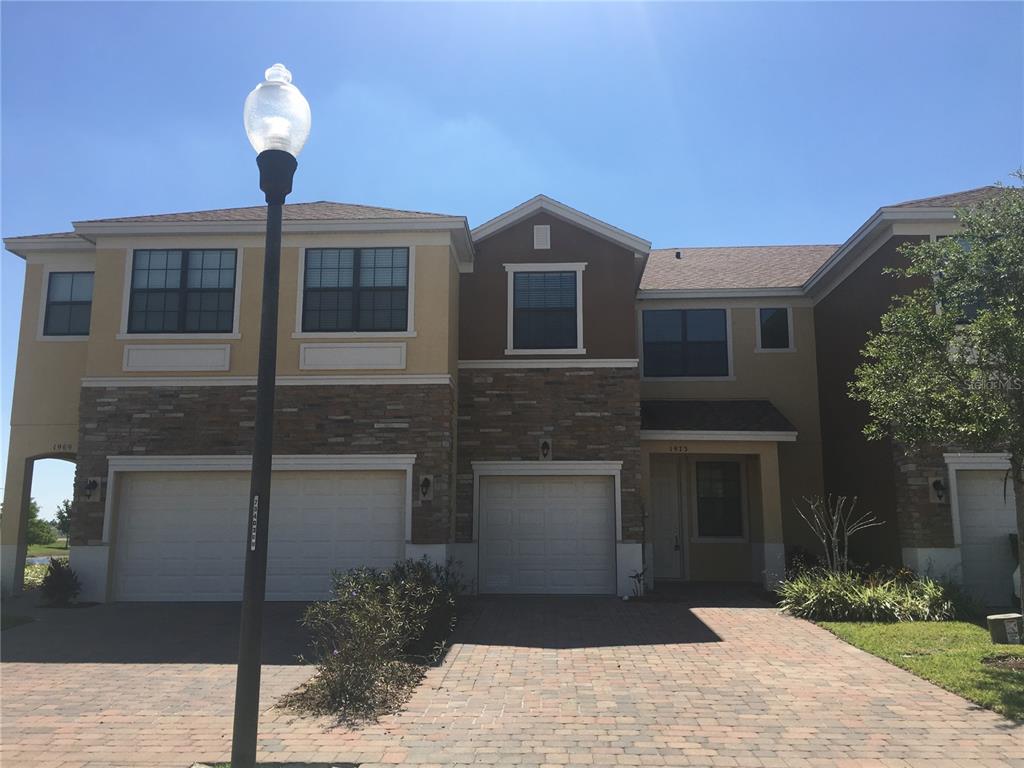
(63, 518)
(38, 531)
(947, 365)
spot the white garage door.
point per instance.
(547, 535)
(986, 521)
(181, 535)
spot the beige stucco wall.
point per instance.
(427, 349)
(788, 379)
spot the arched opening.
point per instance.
(46, 515)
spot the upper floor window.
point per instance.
(182, 291)
(355, 289)
(545, 308)
(774, 329)
(68, 304)
(685, 342)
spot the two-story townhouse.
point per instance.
(543, 399)
(137, 360)
(548, 485)
(730, 434)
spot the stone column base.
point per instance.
(92, 566)
(943, 563)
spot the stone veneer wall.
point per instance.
(590, 414)
(922, 522)
(215, 420)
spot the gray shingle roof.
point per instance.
(713, 416)
(762, 266)
(318, 211)
(963, 199)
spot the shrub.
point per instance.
(34, 574)
(60, 584)
(883, 595)
(39, 532)
(373, 638)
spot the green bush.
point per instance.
(39, 532)
(883, 595)
(373, 638)
(60, 584)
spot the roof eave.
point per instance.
(720, 293)
(26, 246)
(816, 284)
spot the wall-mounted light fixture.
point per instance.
(938, 489)
(88, 487)
(426, 488)
(544, 449)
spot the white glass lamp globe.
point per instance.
(276, 114)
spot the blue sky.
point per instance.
(688, 124)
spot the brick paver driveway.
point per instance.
(531, 681)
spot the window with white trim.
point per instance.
(545, 308)
(182, 291)
(355, 289)
(68, 304)
(773, 328)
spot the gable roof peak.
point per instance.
(567, 213)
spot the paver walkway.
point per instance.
(532, 681)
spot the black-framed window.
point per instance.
(685, 342)
(544, 310)
(68, 304)
(355, 289)
(719, 500)
(182, 291)
(774, 328)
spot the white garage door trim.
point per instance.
(965, 461)
(612, 469)
(221, 463)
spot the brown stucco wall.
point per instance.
(609, 285)
(853, 465)
(589, 414)
(140, 421)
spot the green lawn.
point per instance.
(47, 550)
(947, 653)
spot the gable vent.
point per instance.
(541, 237)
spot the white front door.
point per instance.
(552, 535)
(987, 518)
(181, 535)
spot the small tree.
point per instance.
(37, 531)
(947, 365)
(63, 518)
(833, 520)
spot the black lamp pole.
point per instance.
(277, 168)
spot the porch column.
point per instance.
(13, 529)
(771, 510)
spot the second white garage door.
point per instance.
(181, 535)
(987, 518)
(553, 535)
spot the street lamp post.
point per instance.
(277, 121)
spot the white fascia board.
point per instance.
(562, 211)
(815, 283)
(977, 460)
(27, 247)
(721, 293)
(555, 468)
(296, 462)
(719, 435)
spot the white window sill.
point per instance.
(176, 336)
(41, 337)
(354, 335)
(780, 349)
(545, 351)
(688, 378)
(720, 540)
